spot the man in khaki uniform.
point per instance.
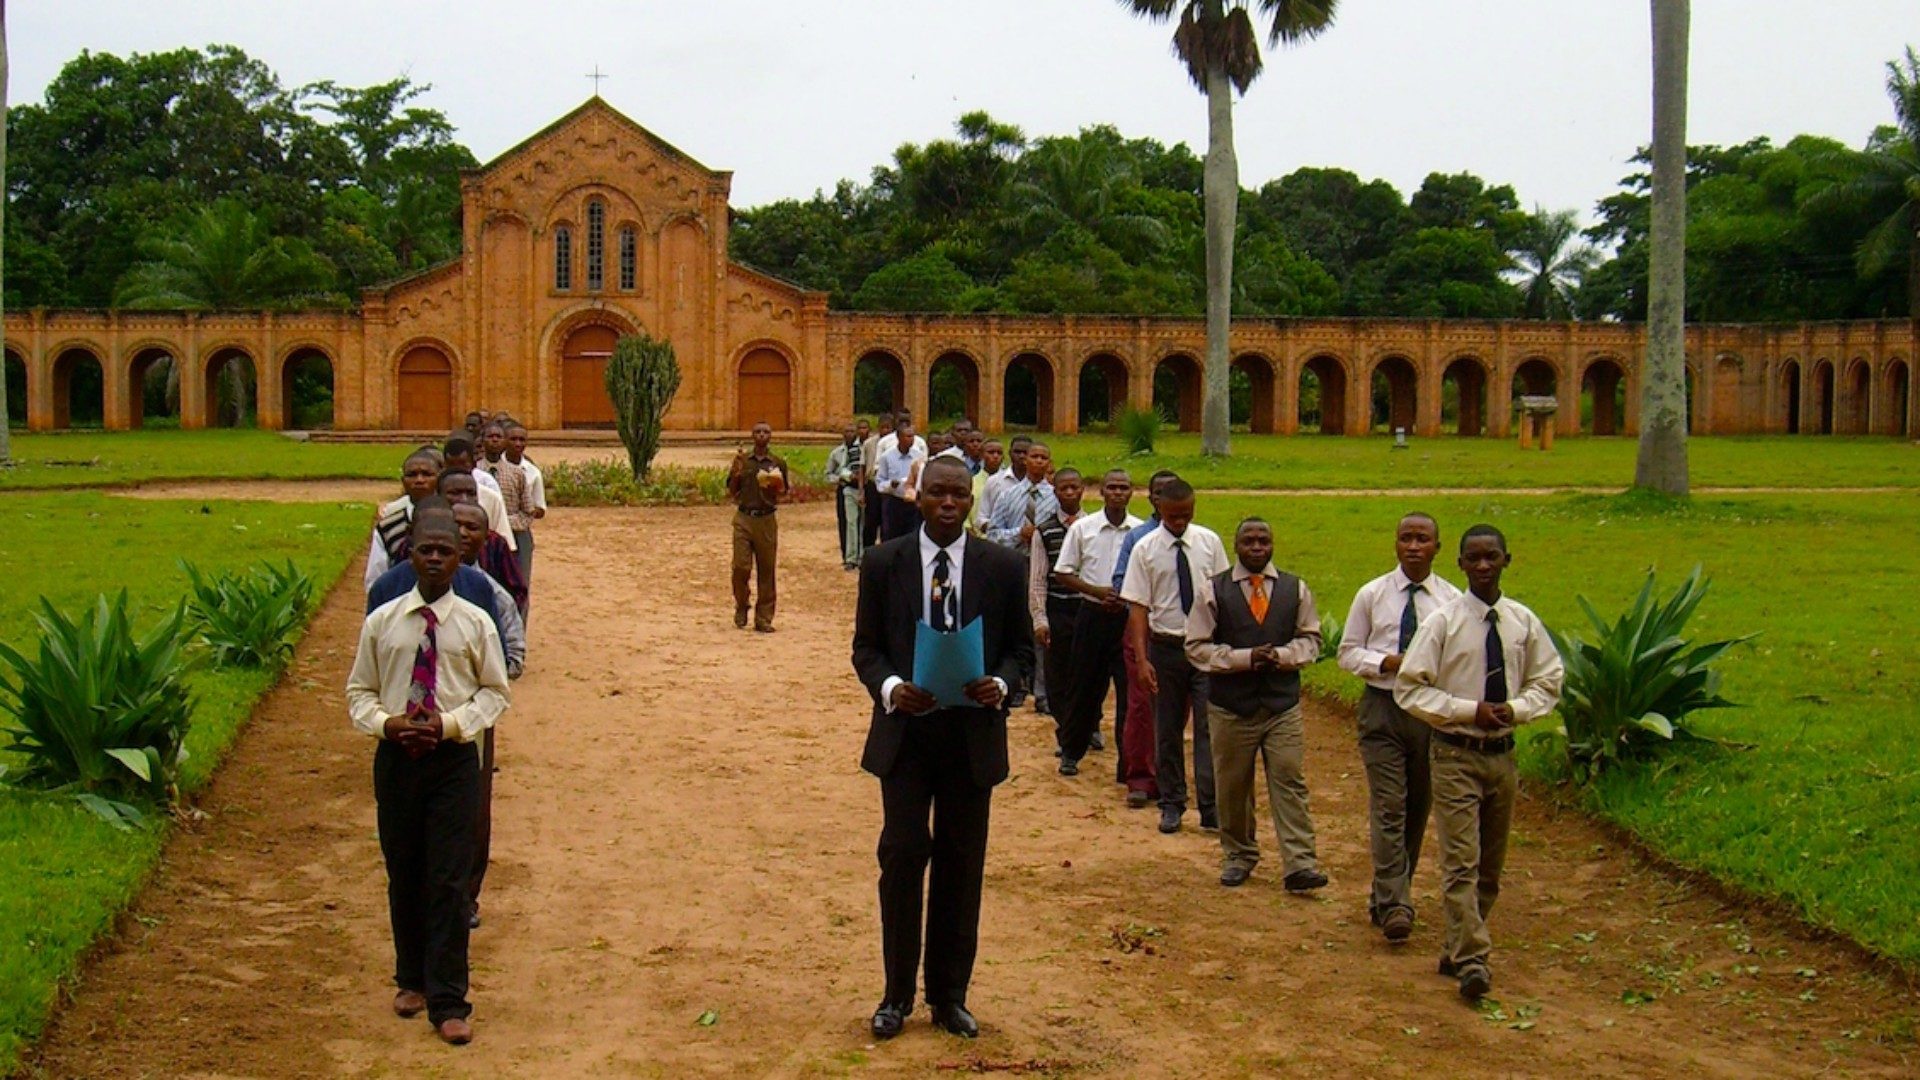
(1251, 630)
(756, 482)
(1477, 669)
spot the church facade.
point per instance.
(594, 228)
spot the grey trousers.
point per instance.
(1393, 747)
(523, 541)
(1182, 696)
(1473, 796)
(1279, 742)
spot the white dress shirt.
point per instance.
(485, 479)
(536, 482)
(1153, 574)
(470, 675)
(894, 470)
(1373, 622)
(956, 563)
(1443, 677)
(1092, 547)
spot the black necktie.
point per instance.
(1184, 571)
(1409, 618)
(941, 593)
(1496, 661)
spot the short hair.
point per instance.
(1066, 473)
(992, 442)
(1249, 522)
(1426, 517)
(1036, 444)
(458, 444)
(1020, 441)
(453, 474)
(1163, 474)
(475, 507)
(1116, 471)
(1483, 530)
(1177, 490)
(942, 463)
(430, 511)
(425, 453)
(514, 426)
(490, 425)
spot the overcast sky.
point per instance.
(1548, 95)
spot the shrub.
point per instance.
(102, 713)
(249, 619)
(1631, 690)
(1139, 429)
(606, 483)
(642, 378)
(1331, 631)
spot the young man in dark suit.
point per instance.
(931, 759)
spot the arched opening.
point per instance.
(426, 390)
(583, 377)
(1323, 396)
(953, 389)
(16, 375)
(1823, 397)
(1250, 393)
(1858, 405)
(232, 388)
(1603, 398)
(1463, 397)
(1898, 394)
(79, 389)
(879, 384)
(1395, 387)
(1535, 378)
(306, 391)
(1027, 401)
(766, 390)
(1176, 391)
(153, 388)
(1790, 396)
(1103, 390)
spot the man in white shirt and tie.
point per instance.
(1393, 746)
(1087, 555)
(893, 477)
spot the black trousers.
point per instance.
(1182, 697)
(931, 780)
(1096, 661)
(870, 521)
(482, 821)
(1063, 617)
(427, 812)
(900, 518)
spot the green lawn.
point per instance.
(101, 459)
(1268, 463)
(64, 874)
(1823, 811)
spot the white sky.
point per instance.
(1548, 95)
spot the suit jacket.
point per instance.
(993, 588)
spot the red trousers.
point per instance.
(1138, 743)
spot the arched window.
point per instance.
(629, 258)
(563, 258)
(596, 245)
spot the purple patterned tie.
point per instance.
(426, 669)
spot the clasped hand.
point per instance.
(417, 732)
(1492, 716)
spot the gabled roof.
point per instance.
(595, 104)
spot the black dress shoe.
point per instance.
(956, 1019)
(1099, 741)
(1209, 821)
(1235, 875)
(1475, 981)
(473, 914)
(1305, 881)
(1170, 819)
(1069, 767)
(889, 1018)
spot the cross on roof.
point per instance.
(596, 75)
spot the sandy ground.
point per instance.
(681, 827)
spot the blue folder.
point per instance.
(944, 663)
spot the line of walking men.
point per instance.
(1158, 615)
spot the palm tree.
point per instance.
(1217, 41)
(6, 437)
(1887, 179)
(1550, 263)
(1662, 462)
(1079, 182)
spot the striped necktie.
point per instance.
(426, 668)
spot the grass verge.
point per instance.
(105, 459)
(1820, 814)
(65, 875)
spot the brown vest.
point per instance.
(1245, 693)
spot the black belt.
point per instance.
(1499, 744)
(1171, 639)
(759, 512)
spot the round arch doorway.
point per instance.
(583, 377)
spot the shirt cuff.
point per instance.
(1240, 660)
(1004, 693)
(886, 691)
(1464, 710)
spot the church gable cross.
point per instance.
(596, 75)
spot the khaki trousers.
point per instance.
(1393, 746)
(756, 544)
(1473, 797)
(1279, 742)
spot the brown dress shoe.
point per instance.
(454, 1031)
(409, 1004)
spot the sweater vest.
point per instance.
(1245, 693)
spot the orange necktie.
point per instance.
(1258, 600)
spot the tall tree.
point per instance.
(1217, 41)
(6, 437)
(1887, 179)
(1662, 461)
(1551, 261)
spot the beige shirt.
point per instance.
(1153, 579)
(1092, 547)
(1373, 622)
(1210, 656)
(470, 677)
(1443, 677)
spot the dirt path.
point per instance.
(681, 827)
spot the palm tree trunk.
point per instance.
(6, 437)
(1223, 211)
(1662, 464)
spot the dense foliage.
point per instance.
(249, 618)
(642, 377)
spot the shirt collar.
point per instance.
(1241, 573)
(441, 607)
(1480, 607)
(929, 549)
